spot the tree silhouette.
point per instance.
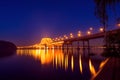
(101, 10)
(102, 15)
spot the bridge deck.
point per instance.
(92, 36)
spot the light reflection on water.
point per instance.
(66, 60)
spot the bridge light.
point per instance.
(118, 25)
(66, 37)
(62, 38)
(88, 32)
(58, 39)
(101, 29)
(118, 22)
(91, 28)
(79, 33)
(71, 35)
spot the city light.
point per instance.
(101, 29)
(71, 35)
(91, 28)
(92, 68)
(80, 63)
(65, 37)
(58, 39)
(62, 38)
(79, 33)
(88, 32)
(118, 25)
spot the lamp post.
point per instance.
(65, 37)
(101, 29)
(79, 33)
(71, 35)
(88, 32)
(91, 28)
(118, 25)
(118, 22)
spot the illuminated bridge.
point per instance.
(65, 41)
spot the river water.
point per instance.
(51, 64)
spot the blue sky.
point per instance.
(25, 22)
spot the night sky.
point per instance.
(25, 22)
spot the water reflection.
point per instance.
(72, 63)
(66, 61)
(80, 63)
(91, 67)
(102, 64)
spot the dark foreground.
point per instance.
(111, 70)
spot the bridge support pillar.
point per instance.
(72, 47)
(63, 47)
(78, 45)
(88, 46)
(67, 48)
(83, 48)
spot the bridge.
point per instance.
(66, 41)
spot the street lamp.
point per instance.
(101, 29)
(56, 39)
(71, 35)
(118, 22)
(88, 32)
(91, 28)
(65, 37)
(62, 38)
(79, 33)
(118, 25)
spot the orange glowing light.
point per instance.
(91, 67)
(45, 56)
(46, 41)
(88, 32)
(66, 37)
(58, 39)
(56, 61)
(62, 38)
(72, 63)
(101, 29)
(79, 33)
(80, 63)
(102, 64)
(66, 62)
(71, 35)
(118, 25)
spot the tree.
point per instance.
(102, 15)
(101, 10)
